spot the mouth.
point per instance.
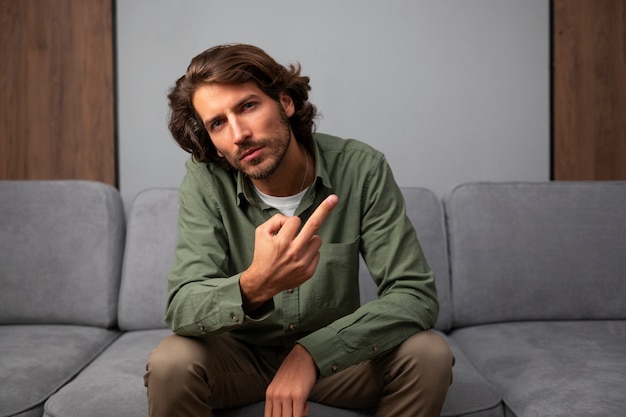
(251, 154)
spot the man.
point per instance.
(263, 295)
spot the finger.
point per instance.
(277, 223)
(268, 408)
(300, 409)
(290, 227)
(316, 220)
(273, 225)
(287, 408)
(272, 409)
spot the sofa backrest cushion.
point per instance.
(425, 211)
(151, 237)
(537, 251)
(151, 240)
(61, 245)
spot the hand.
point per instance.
(282, 259)
(287, 394)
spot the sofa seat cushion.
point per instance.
(470, 393)
(112, 385)
(37, 360)
(568, 368)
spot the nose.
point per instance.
(240, 130)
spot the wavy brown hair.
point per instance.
(236, 64)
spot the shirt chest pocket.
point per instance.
(335, 285)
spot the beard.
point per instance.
(276, 147)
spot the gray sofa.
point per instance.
(531, 279)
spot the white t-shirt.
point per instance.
(286, 205)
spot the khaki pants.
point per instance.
(190, 377)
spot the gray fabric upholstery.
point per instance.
(112, 386)
(61, 245)
(37, 360)
(149, 253)
(537, 251)
(60, 241)
(33, 412)
(470, 394)
(558, 368)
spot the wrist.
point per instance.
(305, 357)
(252, 294)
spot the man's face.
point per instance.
(246, 126)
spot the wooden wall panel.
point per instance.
(57, 118)
(589, 89)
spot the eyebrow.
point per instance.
(209, 122)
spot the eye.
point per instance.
(249, 105)
(217, 124)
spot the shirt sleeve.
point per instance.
(202, 297)
(407, 301)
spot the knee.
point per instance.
(173, 359)
(428, 352)
(419, 375)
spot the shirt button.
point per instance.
(234, 317)
(334, 367)
(375, 348)
(290, 290)
(202, 328)
(291, 327)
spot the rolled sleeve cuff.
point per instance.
(232, 304)
(327, 351)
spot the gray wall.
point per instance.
(450, 90)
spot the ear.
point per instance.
(287, 102)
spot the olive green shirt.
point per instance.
(219, 213)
